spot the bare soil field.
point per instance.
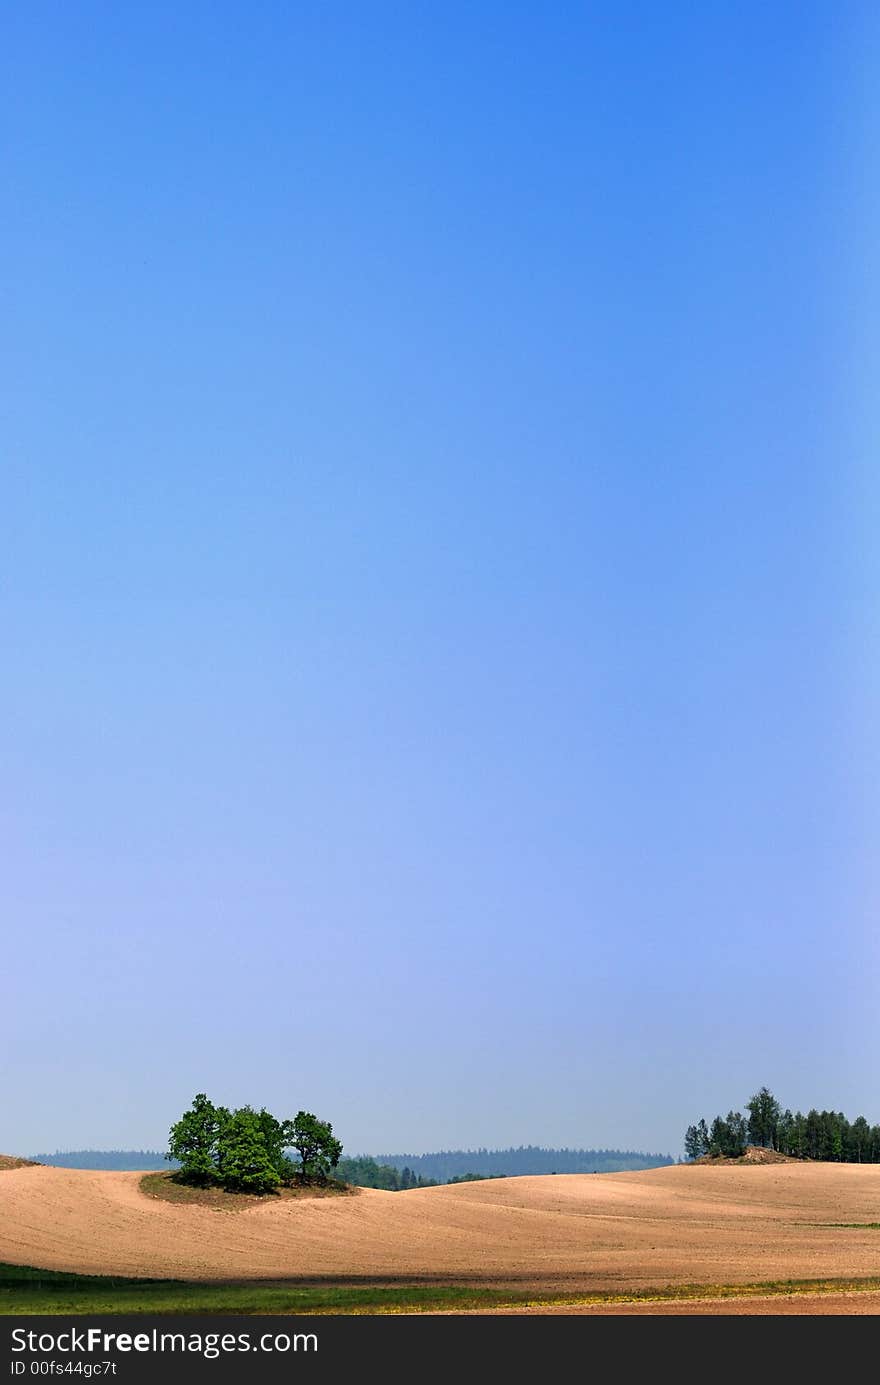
(563, 1234)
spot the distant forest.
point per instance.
(105, 1159)
(365, 1172)
(399, 1171)
(448, 1164)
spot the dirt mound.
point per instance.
(11, 1161)
(167, 1187)
(754, 1155)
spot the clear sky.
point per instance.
(438, 600)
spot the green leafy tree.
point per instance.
(692, 1142)
(736, 1129)
(703, 1137)
(276, 1134)
(319, 1151)
(367, 1173)
(719, 1137)
(859, 1140)
(193, 1142)
(224, 1116)
(247, 1161)
(838, 1127)
(785, 1132)
(792, 1134)
(826, 1135)
(812, 1134)
(764, 1112)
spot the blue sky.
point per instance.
(436, 574)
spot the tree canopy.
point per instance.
(247, 1150)
(824, 1135)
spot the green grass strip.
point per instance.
(26, 1290)
(853, 1225)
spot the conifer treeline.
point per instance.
(102, 1159)
(365, 1172)
(444, 1165)
(824, 1135)
(368, 1173)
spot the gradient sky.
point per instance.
(438, 598)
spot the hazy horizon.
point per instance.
(438, 576)
(347, 1153)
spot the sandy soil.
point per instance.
(565, 1233)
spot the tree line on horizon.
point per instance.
(366, 1172)
(397, 1172)
(445, 1165)
(248, 1151)
(128, 1159)
(821, 1135)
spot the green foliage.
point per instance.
(276, 1137)
(736, 1126)
(319, 1151)
(700, 1140)
(367, 1173)
(764, 1113)
(727, 1137)
(692, 1144)
(247, 1162)
(859, 1142)
(193, 1142)
(35, 1291)
(287, 1170)
(719, 1136)
(823, 1135)
(475, 1177)
(364, 1172)
(246, 1150)
(52, 1292)
(224, 1116)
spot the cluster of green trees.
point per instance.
(825, 1135)
(475, 1177)
(247, 1150)
(367, 1173)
